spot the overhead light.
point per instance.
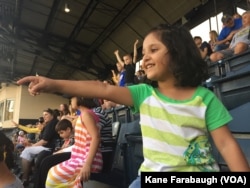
(66, 8)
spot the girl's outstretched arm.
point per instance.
(91, 89)
(230, 149)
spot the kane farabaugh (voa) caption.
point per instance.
(216, 179)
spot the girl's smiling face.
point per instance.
(155, 58)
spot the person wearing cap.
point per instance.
(230, 26)
(240, 42)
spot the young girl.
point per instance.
(175, 115)
(86, 155)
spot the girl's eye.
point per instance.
(153, 50)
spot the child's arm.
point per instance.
(135, 51)
(94, 132)
(67, 149)
(229, 149)
(114, 77)
(119, 59)
(92, 89)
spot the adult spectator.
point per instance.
(64, 110)
(240, 41)
(230, 27)
(204, 47)
(213, 35)
(47, 142)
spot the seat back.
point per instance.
(110, 175)
(240, 128)
(109, 144)
(234, 89)
(133, 157)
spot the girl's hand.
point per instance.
(37, 84)
(85, 172)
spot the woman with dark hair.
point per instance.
(7, 178)
(46, 144)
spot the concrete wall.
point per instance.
(27, 106)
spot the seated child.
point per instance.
(65, 129)
(21, 141)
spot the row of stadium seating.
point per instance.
(230, 80)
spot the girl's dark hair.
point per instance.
(87, 102)
(6, 145)
(63, 124)
(187, 65)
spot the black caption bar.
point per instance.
(196, 179)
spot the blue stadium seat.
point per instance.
(241, 119)
(234, 89)
(240, 128)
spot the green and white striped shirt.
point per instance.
(175, 132)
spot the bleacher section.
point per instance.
(227, 65)
(230, 80)
(240, 128)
